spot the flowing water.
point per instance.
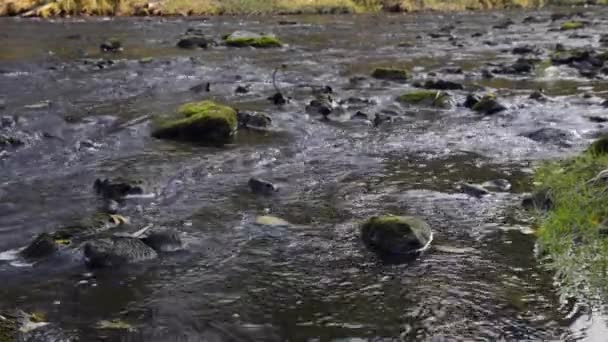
(312, 280)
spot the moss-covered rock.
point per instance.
(488, 105)
(396, 235)
(203, 122)
(244, 39)
(270, 221)
(426, 98)
(42, 246)
(9, 328)
(391, 74)
(572, 25)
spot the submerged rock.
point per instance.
(43, 246)
(164, 241)
(521, 66)
(391, 74)
(572, 25)
(117, 189)
(474, 190)
(323, 104)
(245, 39)
(497, 185)
(396, 235)
(439, 85)
(194, 38)
(278, 99)
(261, 187)
(550, 135)
(426, 98)
(116, 251)
(203, 122)
(111, 45)
(488, 105)
(525, 50)
(254, 120)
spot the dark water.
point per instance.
(313, 280)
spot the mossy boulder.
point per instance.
(488, 105)
(396, 235)
(426, 98)
(391, 74)
(572, 25)
(204, 122)
(245, 39)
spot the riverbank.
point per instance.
(573, 234)
(44, 8)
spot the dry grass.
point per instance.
(215, 7)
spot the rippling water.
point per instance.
(313, 280)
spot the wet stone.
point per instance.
(116, 189)
(262, 187)
(111, 45)
(550, 135)
(254, 120)
(439, 85)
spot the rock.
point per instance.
(540, 200)
(487, 74)
(572, 25)
(203, 122)
(426, 98)
(43, 246)
(261, 187)
(278, 99)
(391, 74)
(599, 147)
(164, 241)
(471, 101)
(525, 50)
(439, 85)
(17, 325)
(194, 38)
(116, 251)
(115, 324)
(270, 221)
(396, 235)
(488, 105)
(521, 66)
(505, 24)
(473, 190)
(586, 60)
(10, 141)
(201, 87)
(533, 20)
(116, 189)
(7, 121)
(497, 185)
(550, 135)
(323, 104)
(111, 45)
(242, 90)
(2, 104)
(538, 96)
(245, 39)
(359, 115)
(254, 120)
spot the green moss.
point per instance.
(8, 328)
(115, 324)
(426, 98)
(599, 147)
(262, 41)
(574, 233)
(391, 74)
(270, 221)
(572, 25)
(204, 122)
(396, 234)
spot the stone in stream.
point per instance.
(111, 45)
(194, 38)
(17, 325)
(473, 190)
(497, 185)
(201, 87)
(391, 74)
(439, 85)
(117, 189)
(204, 122)
(43, 246)
(427, 98)
(323, 104)
(487, 105)
(550, 135)
(164, 241)
(116, 251)
(261, 187)
(525, 50)
(396, 235)
(521, 66)
(250, 39)
(242, 89)
(538, 96)
(504, 24)
(254, 120)
(278, 99)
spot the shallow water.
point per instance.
(313, 280)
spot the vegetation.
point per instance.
(215, 7)
(574, 234)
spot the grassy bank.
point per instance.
(573, 235)
(218, 7)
